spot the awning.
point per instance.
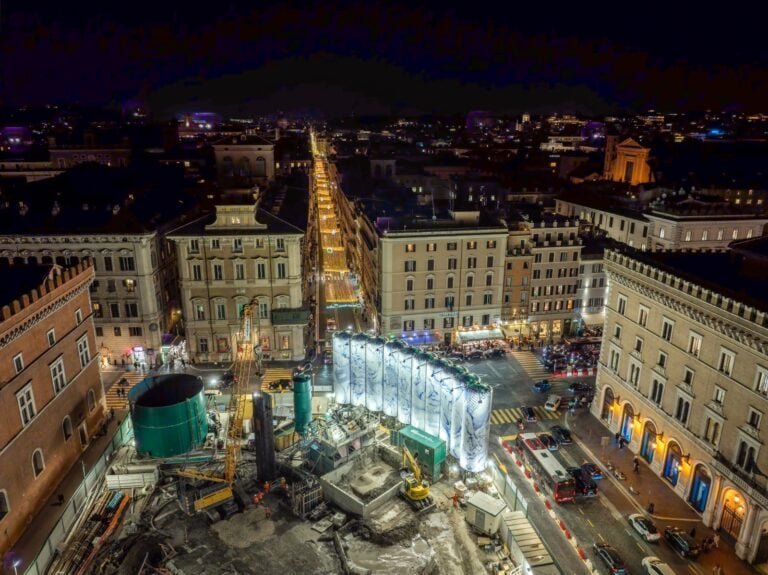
(471, 335)
(593, 318)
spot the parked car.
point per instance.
(593, 471)
(553, 402)
(611, 558)
(542, 386)
(494, 352)
(474, 355)
(548, 441)
(585, 487)
(655, 566)
(681, 542)
(580, 387)
(562, 435)
(528, 414)
(645, 527)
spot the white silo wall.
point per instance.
(358, 369)
(419, 391)
(477, 420)
(392, 358)
(374, 371)
(435, 375)
(341, 367)
(457, 419)
(404, 374)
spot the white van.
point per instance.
(553, 403)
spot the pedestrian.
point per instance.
(716, 540)
(621, 443)
(122, 362)
(267, 512)
(111, 413)
(183, 363)
(635, 464)
(651, 508)
(693, 532)
(617, 437)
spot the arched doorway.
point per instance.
(734, 511)
(627, 422)
(700, 487)
(648, 442)
(673, 463)
(607, 412)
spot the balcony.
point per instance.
(747, 482)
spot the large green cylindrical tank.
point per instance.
(168, 414)
(302, 401)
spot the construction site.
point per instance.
(389, 473)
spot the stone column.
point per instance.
(708, 516)
(745, 535)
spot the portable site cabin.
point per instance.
(484, 512)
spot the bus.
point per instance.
(548, 469)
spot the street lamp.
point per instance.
(16, 566)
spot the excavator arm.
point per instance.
(411, 460)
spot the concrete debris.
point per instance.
(244, 529)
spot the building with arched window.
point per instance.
(245, 254)
(50, 384)
(683, 377)
(244, 160)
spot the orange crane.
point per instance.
(243, 366)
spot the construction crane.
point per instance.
(414, 490)
(220, 488)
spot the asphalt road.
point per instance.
(600, 519)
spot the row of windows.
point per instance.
(448, 323)
(561, 273)
(237, 243)
(546, 306)
(217, 271)
(129, 284)
(133, 331)
(451, 246)
(222, 344)
(220, 309)
(538, 258)
(688, 236)
(410, 282)
(50, 336)
(453, 264)
(560, 289)
(449, 301)
(130, 309)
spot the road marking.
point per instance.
(641, 547)
(600, 535)
(590, 522)
(628, 531)
(581, 510)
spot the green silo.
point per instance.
(168, 414)
(302, 401)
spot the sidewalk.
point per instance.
(669, 508)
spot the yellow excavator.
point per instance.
(414, 490)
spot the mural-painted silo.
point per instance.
(419, 389)
(448, 388)
(168, 414)
(435, 376)
(358, 368)
(342, 366)
(302, 401)
(477, 426)
(404, 375)
(392, 358)
(374, 373)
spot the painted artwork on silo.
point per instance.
(457, 417)
(447, 386)
(404, 374)
(419, 389)
(342, 366)
(392, 358)
(435, 376)
(374, 373)
(476, 430)
(358, 369)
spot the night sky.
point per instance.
(383, 57)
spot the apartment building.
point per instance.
(135, 290)
(437, 277)
(592, 287)
(685, 224)
(555, 247)
(518, 266)
(51, 396)
(683, 377)
(244, 254)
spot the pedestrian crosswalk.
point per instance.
(515, 414)
(115, 401)
(273, 374)
(531, 364)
